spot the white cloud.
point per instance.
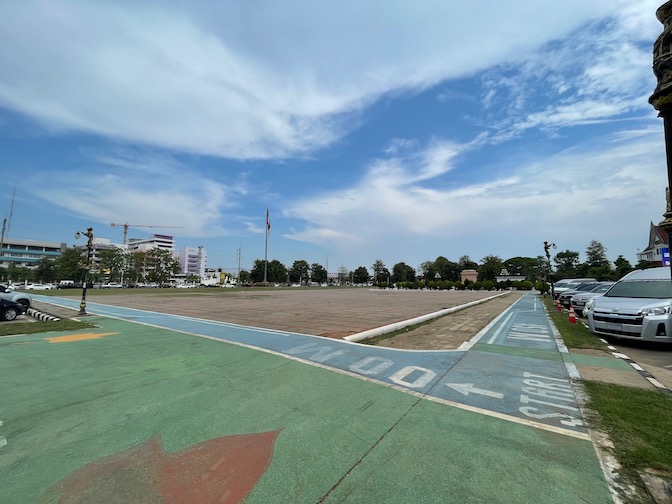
(246, 80)
(570, 197)
(143, 189)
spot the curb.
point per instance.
(41, 316)
(378, 331)
(614, 351)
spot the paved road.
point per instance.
(156, 407)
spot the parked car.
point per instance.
(580, 298)
(111, 285)
(36, 286)
(637, 307)
(565, 297)
(568, 283)
(23, 298)
(9, 310)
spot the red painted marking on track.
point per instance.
(220, 470)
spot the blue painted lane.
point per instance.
(536, 389)
(409, 369)
(525, 325)
(515, 369)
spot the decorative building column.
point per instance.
(661, 100)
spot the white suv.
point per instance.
(638, 307)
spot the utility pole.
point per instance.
(238, 277)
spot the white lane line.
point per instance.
(467, 345)
(500, 329)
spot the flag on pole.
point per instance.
(268, 222)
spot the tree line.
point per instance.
(159, 265)
(564, 264)
(110, 265)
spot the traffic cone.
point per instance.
(572, 315)
(557, 305)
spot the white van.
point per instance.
(637, 307)
(568, 283)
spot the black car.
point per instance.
(9, 310)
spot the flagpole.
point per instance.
(268, 227)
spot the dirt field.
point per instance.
(327, 312)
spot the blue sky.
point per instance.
(399, 131)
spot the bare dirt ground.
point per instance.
(332, 313)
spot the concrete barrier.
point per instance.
(371, 333)
(44, 317)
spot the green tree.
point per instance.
(597, 265)
(531, 268)
(46, 270)
(70, 265)
(490, 267)
(448, 270)
(318, 273)
(465, 262)
(113, 262)
(298, 273)
(361, 275)
(243, 277)
(623, 267)
(160, 265)
(566, 264)
(378, 270)
(402, 272)
(276, 271)
(596, 255)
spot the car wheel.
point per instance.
(10, 314)
(25, 303)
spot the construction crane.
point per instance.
(127, 225)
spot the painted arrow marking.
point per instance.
(468, 388)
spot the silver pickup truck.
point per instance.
(22, 298)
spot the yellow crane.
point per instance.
(126, 225)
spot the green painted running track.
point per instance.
(75, 410)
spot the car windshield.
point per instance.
(585, 287)
(601, 288)
(657, 289)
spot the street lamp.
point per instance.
(89, 248)
(547, 247)
(661, 100)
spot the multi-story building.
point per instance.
(28, 253)
(164, 242)
(193, 261)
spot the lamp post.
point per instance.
(89, 248)
(661, 100)
(547, 247)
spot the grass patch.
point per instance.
(639, 422)
(8, 329)
(574, 335)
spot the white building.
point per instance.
(164, 242)
(193, 261)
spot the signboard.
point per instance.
(666, 256)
